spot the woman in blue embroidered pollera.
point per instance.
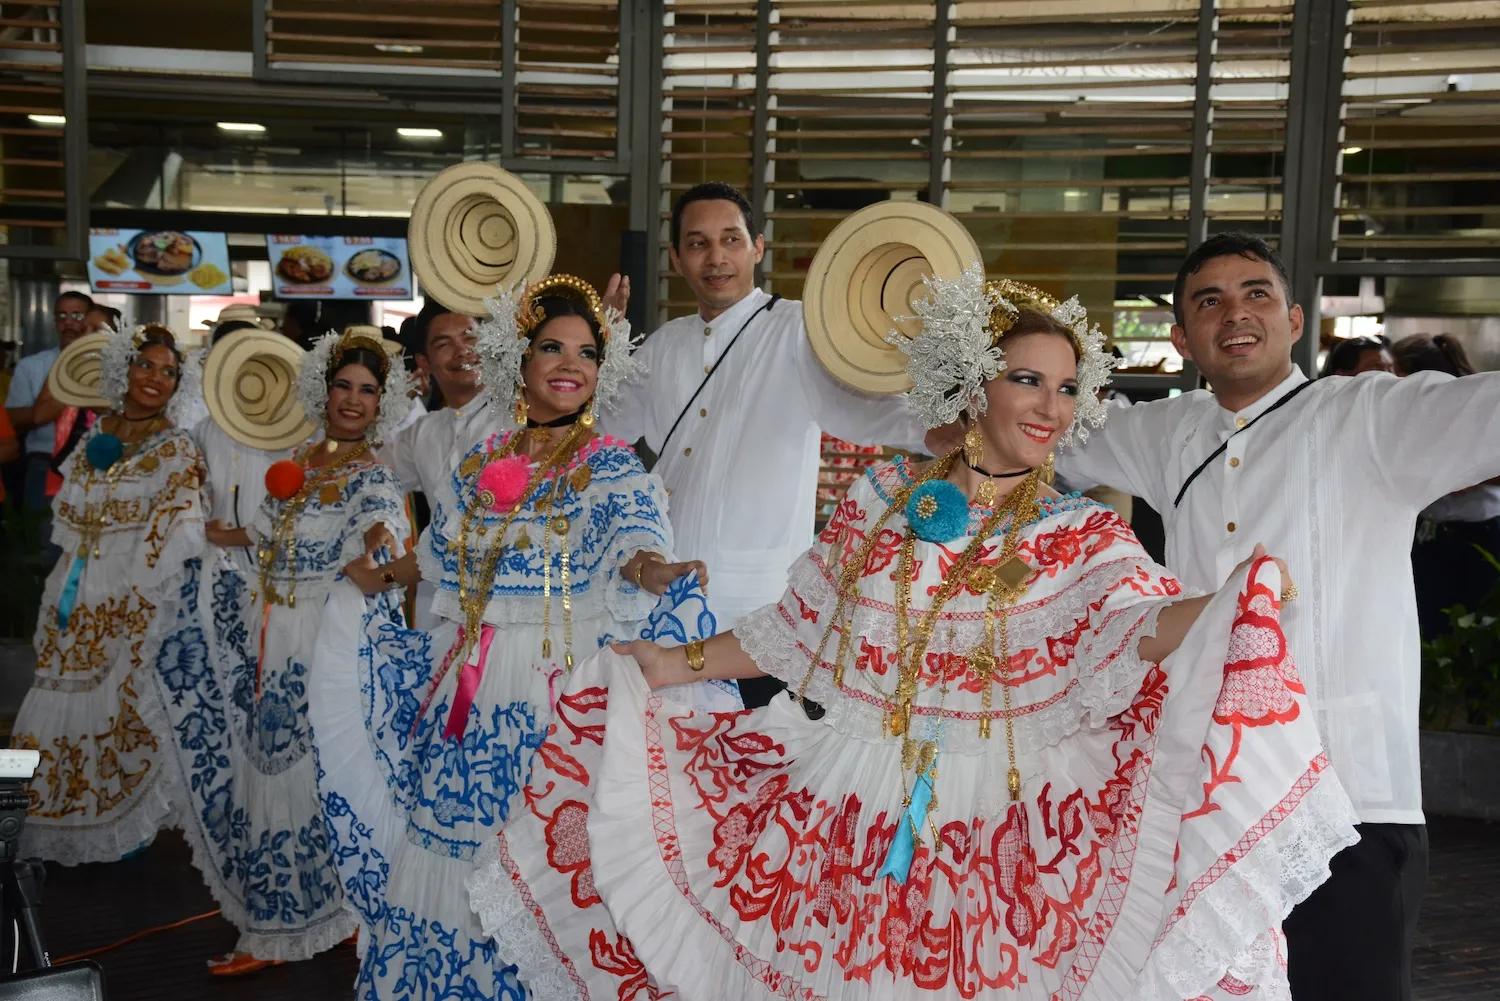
(129, 518)
(547, 541)
(1043, 772)
(234, 675)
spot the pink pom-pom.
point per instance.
(502, 482)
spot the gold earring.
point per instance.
(521, 407)
(1049, 473)
(587, 420)
(973, 447)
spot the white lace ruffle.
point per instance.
(503, 914)
(1254, 894)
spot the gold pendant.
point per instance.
(560, 525)
(523, 541)
(485, 498)
(330, 494)
(897, 720)
(982, 662)
(1013, 783)
(581, 478)
(982, 578)
(471, 466)
(546, 646)
(1013, 575)
(987, 493)
(149, 464)
(330, 446)
(984, 728)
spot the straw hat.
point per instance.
(242, 312)
(74, 379)
(869, 272)
(475, 228)
(250, 387)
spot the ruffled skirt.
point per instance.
(244, 764)
(100, 790)
(739, 855)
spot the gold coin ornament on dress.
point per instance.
(581, 478)
(560, 525)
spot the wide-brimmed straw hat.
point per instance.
(74, 378)
(250, 387)
(244, 313)
(866, 275)
(476, 228)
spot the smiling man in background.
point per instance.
(1330, 475)
(733, 405)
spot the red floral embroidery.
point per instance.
(567, 836)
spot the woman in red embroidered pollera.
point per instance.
(1043, 771)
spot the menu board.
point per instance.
(159, 262)
(339, 267)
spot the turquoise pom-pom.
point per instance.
(938, 512)
(103, 451)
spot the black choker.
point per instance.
(566, 420)
(138, 420)
(344, 440)
(996, 476)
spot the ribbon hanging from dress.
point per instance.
(903, 848)
(469, 677)
(68, 597)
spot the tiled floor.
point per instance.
(1457, 958)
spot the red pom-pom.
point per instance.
(284, 479)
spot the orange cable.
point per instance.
(133, 937)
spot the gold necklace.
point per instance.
(283, 541)
(474, 581)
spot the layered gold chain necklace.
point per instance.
(282, 544)
(475, 577)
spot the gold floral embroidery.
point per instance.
(70, 781)
(79, 658)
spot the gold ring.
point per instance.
(1289, 593)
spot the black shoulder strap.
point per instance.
(775, 296)
(1285, 399)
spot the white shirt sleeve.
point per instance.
(1428, 434)
(858, 418)
(629, 415)
(401, 454)
(1128, 453)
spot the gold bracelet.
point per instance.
(388, 578)
(695, 655)
(640, 568)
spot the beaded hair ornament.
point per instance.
(515, 315)
(327, 357)
(957, 350)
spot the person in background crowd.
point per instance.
(1326, 474)
(740, 460)
(10, 448)
(1355, 355)
(1447, 567)
(102, 317)
(33, 411)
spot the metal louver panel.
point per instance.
(43, 141)
(567, 72)
(849, 119)
(389, 43)
(1421, 95)
(708, 110)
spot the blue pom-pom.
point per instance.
(938, 512)
(103, 451)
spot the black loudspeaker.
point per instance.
(633, 250)
(74, 982)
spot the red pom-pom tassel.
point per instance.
(284, 479)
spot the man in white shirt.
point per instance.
(740, 459)
(1328, 475)
(33, 411)
(429, 449)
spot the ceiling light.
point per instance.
(241, 127)
(394, 47)
(420, 133)
(48, 119)
(1351, 150)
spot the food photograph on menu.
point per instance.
(339, 267)
(159, 261)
